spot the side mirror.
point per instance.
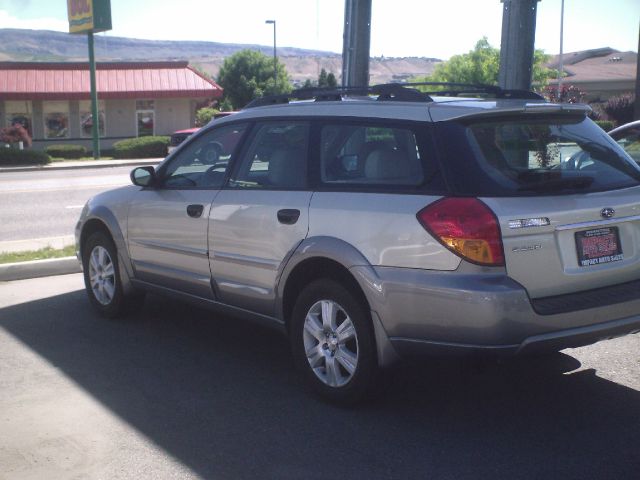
(143, 176)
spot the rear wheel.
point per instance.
(333, 343)
(102, 278)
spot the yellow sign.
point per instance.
(89, 15)
(80, 15)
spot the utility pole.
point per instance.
(517, 43)
(356, 43)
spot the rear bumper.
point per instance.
(554, 341)
(482, 311)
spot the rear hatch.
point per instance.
(566, 197)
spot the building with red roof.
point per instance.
(52, 100)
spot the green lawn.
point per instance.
(41, 254)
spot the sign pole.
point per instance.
(94, 99)
(91, 16)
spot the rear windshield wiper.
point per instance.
(557, 184)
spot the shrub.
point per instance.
(568, 94)
(66, 151)
(14, 134)
(11, 156)
(142, 147)
(606, 125)
(620, 109)
(204, 116)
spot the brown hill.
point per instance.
(302, 64)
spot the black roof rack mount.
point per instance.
(399, 92)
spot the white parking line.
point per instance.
(70, 207)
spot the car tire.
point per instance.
(333, 343)
(102, 278)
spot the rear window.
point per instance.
(545, 156)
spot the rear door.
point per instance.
(567, 199)
(259, 219)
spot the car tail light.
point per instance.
(467, 227)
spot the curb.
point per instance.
(84, 164)
(39, 268)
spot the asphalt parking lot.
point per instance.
(178, 393)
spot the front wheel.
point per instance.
(102, 278)
(333, 343)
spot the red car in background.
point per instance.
(215, 150)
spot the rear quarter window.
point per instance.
(376, 156)
(537, 156)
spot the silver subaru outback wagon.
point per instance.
(372, 224)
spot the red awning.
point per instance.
(70, 81)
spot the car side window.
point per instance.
(204, 161)
(366, 154)
(276, 157)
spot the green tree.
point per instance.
(248, 74)
(327, 80)
(322, 79)
(331, 80)
(481, 65)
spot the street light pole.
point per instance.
(560, 57)
(275, 58)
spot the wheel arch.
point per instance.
(103, 220)
(328, 257)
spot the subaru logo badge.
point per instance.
(607, 212)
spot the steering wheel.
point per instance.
(210, 153)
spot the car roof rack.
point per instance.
(460, 89)
(384, 92)
(399, 92)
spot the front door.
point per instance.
(168, 224)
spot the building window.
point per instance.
(56, 119)
(145, 117)
(86, 119)
(19, 112)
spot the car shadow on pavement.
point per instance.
(221, 396)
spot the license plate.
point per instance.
(601, 245)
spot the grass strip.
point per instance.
(83, 159)
(42, 254)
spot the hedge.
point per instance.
(606, 125)
(142, 147)
(11, 156)
(66, 151)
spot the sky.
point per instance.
(399, 28)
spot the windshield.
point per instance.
(545, 156)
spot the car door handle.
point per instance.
(195, 211)
(288, 216)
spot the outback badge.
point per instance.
(607, 212)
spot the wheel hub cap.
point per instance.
(102, 275)
(331, 343)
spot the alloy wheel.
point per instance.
(102, 275)
(330, 343)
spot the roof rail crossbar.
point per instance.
(475, 89)
(387, 91)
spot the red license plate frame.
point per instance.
(598, 246)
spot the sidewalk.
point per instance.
(77, 164)
(54, 266)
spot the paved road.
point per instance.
(179, 394)
(39, 204)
